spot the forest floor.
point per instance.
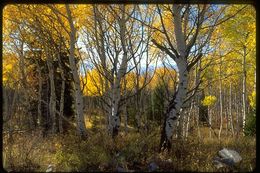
(128, 152)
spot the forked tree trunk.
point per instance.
(180, 55)
(106, 76)
(114, 119)
(174, 107)
(173, 110)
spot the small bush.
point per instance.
(79, 155)
(250, 127)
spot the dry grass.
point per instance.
(132, 151)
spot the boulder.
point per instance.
(120, 169)
(152, 167)
(232, 155)
(49, 169)
(226, 158)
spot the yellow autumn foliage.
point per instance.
(10, 73)
(209, 100)
(93, 83)
(252, 99)
(163, 74)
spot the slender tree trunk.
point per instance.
(227, 119)
(126, 118)
(138, 107)
(185, 122)
(198, 122)
(255, 82)
(230, 109)
(220, 98)
(77, 89)
(24, 85)
(237, 115)
(100, 43)
(39, 95)
(52, 102)
(210, 124)
(244, 89)
(152, 103)
(6, 115)
(125, 111)
(61, 95)
(209, 113)
(188, 120)
(226, 111)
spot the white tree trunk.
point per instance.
(237, 115)
(175, 107)
(220, 98)
(210, 128)
(230, 110)
(77, 89)
(188, 120)
(173, 112)
(99, 34)
(125, 110)
(114, 120)
(244, 89)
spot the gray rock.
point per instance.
(152, 167)
(231, 155)
(228, 158)
(120, 169)
(168, 161)
(50, 168)
(218, 163)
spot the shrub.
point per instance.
(79, 155)
(250, 126)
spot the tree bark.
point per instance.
(230, 109)
(220, 98)
(39, 95)
(237, 115)
(77, 89)
(188, 120)
(52, 103)
(114, 120)
(174, 107)
(61, 95)
(173, 110)
(244, 88)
